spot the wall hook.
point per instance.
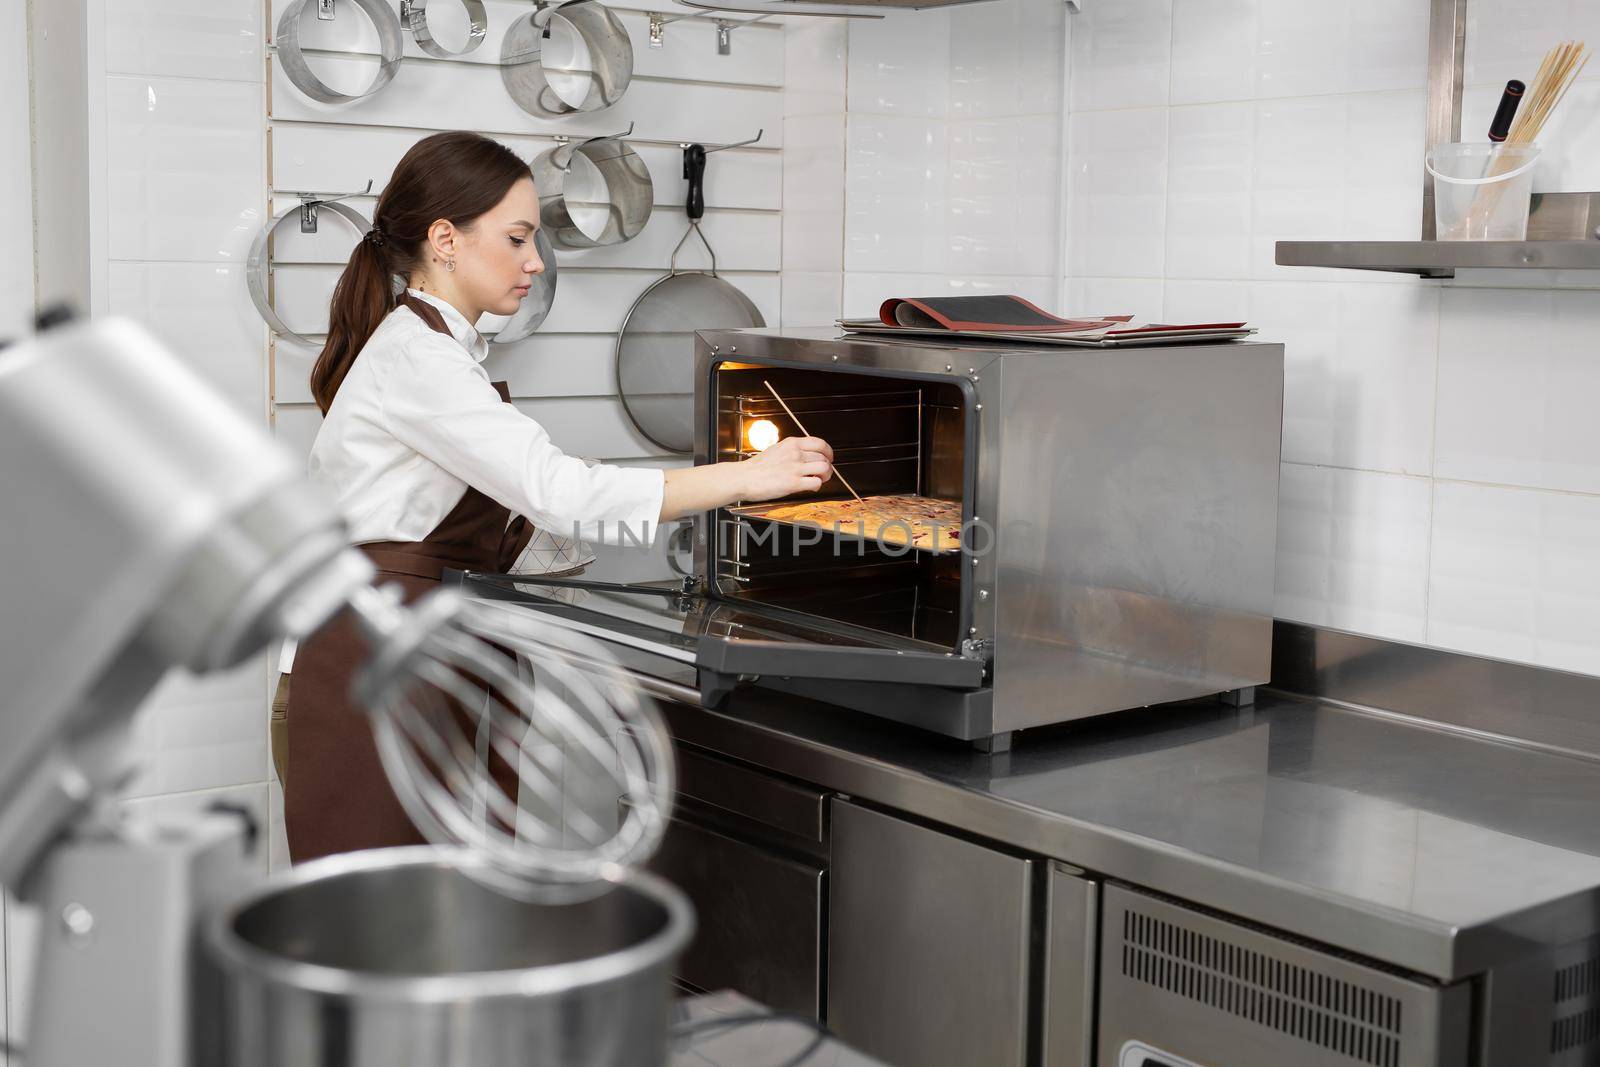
(310, 201)
(565, 138)
(658, 23)
(722, 147)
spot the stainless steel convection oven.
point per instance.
(1117, 527)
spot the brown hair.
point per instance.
(456, 176)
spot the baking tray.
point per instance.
(949, 544)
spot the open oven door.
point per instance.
(684, 645)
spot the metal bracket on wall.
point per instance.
(309, 202)
(1075, 7)
(325, 10)
(725, 28)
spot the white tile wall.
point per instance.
(16, 189)
(184, 180)
(1118, 173)
(212, 39)
(951, 174)
(203, 313)
(812, 298)
(1517, 385)
(1122, 55)
(179, 158)
(1507, 40)
(1353, 550)
(1515, 575)
(1442, 468)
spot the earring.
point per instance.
(450, 265)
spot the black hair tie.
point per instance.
(375, 236)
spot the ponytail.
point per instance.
(361, 301)
(456, 176)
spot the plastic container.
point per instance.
(1481, 192)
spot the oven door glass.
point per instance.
(658, 629)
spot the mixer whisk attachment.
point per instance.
(548, 762)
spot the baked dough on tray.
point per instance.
(913, 521)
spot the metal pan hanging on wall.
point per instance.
(540, 66)
(593, 193)
(655, 348)
(414, 13)
(535, 307)
(391, 49)
(528, 317)
(258, 268)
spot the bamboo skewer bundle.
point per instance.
(1557, 72)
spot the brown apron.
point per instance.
(336, 796)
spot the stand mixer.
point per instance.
(150, 527)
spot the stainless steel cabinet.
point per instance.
(929, 945)
(749, 849)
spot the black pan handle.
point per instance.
(694, 168)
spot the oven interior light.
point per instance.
(762, 434)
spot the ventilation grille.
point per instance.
(1323, 1011)
(1581, 981)
(1574, 1030)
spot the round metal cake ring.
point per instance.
(625, 202)
(536, 305)
(415, 15)
(391, 48)
(258, 268)
(586, 67)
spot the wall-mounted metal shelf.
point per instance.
(1441, 259)
(1562, 227)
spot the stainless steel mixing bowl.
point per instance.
(399, 958)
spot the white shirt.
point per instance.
(416, 422)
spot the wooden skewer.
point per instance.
(1557, 72)
(807, 432)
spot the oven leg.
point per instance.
(995, 745)
(1239, 698)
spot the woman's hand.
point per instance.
(793, 465)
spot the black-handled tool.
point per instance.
(1500, 128)
(694, 168)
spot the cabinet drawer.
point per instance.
(759, 917)
(773, 802)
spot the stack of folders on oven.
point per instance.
(1013, 319)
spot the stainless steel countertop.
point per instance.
(1424, 847)
(1433, 851)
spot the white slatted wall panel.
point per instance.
(563, 375)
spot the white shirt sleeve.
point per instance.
(437, 400)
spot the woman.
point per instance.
(434, 468)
